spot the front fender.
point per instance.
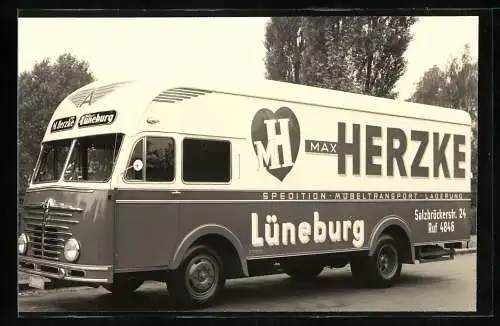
(201, 231)
(382, 225)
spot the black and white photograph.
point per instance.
(315, 163)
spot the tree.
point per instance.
(348, 53)
(39, 93)
(328, 45)
(454, 87)
(282, 50)
(378, 53)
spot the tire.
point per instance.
(303, 272)
(199, 280)
(383, 268)
(123, 285)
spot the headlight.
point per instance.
(22, 244)
(71, 250)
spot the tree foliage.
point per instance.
(39, 93)
(282, 50)
(454, 87)
(348, 53)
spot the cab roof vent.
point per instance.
(91, 95)
(178, 94)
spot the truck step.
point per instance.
(434, 253)
(434, 259)
(448, 252)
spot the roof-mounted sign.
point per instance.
(63, 124)
(97, 118)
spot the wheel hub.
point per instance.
(384, 262)
(201, 275)
(387, 261)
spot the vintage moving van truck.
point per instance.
(194, 183)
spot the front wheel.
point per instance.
(199, 279)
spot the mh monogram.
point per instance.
(274, 134)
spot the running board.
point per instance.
(428, 254)
(435, 259)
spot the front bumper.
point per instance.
(92, 274)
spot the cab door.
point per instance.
(146, 216)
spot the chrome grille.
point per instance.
(47, 237)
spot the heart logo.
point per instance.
(276, 140)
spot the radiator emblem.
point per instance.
(46, 207)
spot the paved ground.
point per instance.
(441, 286)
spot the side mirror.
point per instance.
(138, 165)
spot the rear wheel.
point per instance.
(123, 285)
(199, 279)
(383, 268)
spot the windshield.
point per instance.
(92, 159)
(52, 158)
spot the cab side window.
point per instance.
(137, 154)
(158, 157)
(159, 164)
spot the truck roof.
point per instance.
(131, 99)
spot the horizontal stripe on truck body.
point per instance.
(348, 224)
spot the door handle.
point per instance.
(176, 192)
